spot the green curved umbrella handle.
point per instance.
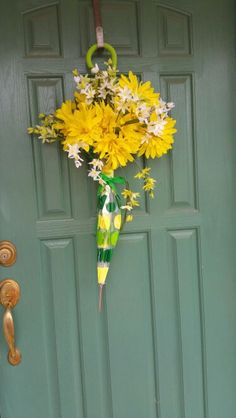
(94, 48)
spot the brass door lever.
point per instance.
(9, 297)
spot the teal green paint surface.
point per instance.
(165, 344)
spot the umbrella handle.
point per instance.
(94, 48)
(100, 289)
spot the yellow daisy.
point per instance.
(79, 126)
(155, 146)
(141, 91)
(65, 115)
(117, 141)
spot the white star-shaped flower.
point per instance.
(73, 150)
(78, 162)
(95, 174)
(156, 128)
(127, 207)
(73, 153)
(77, 79)
(103, 93)
(125, 94)
(95, 69)
(96, 163)
(143, 113)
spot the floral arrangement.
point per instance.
(110, 122)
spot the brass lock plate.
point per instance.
(9, 293)
(7, 253)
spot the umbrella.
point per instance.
(109, 222)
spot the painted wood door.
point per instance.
(165, 343)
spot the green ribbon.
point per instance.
(112, 182)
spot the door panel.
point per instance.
(164, 345)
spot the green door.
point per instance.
(165, 344)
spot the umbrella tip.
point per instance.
(100, 297)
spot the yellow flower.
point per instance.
(46, 131)
(127, 193)
(155, 146)
(79, 126)
(65, 115)
(143, 173)
(141, 91)
(113, 120)
(79, 98)
(131, 197)
(129, 218)
(149, 184)
(117, 142)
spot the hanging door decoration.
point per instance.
(111, 121)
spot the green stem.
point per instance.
(130, 122)
(125, 212)
(118, 115)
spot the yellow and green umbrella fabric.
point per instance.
(108, 227)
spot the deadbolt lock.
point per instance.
(7, 253)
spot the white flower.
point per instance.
(83, 81)
(73, 153)
(163, 108)
(170, 105)
(103, 93)
(97, 164)
(108, 84)
(143, 113)
(90, 95)
(73, 150)
(107, 87)
(101, 181)
(145, 139)
(78, 162)
(135, 195)
(89, 92)
(95, 69)
(121, 107)
(125, 94)
(77, 79)
(95, 174)
(127, 207)
(156, 128)
(135, 98)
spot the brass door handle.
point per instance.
(9, 297)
